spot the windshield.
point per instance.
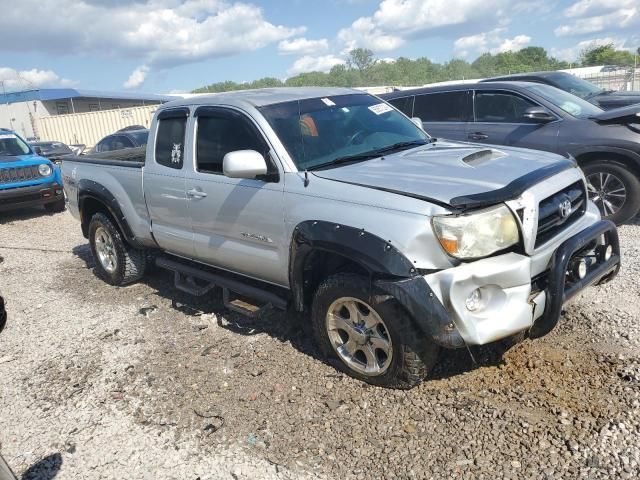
(12, 146)
(140, 138)
(321, 131)
(577, 86)
(569, 103)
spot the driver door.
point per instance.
(238, 224)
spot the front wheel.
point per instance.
(614, 189)
(116, 262)
(368, 336)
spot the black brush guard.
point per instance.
(558, 290)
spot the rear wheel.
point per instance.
(368, 336)
(116, 262)
(614, 189)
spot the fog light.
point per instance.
(580, 268)
(608, 252)
(474, 300)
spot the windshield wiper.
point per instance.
(346, 159)
(372, 154)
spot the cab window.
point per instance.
(443, 107)
(170, 141)
(501, 107)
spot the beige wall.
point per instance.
(89, 128)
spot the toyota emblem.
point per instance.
(565, 208)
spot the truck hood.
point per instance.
(453, 174)
(629, 114)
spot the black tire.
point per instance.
(55, 207)
(130, 263)
(413, 355)
(622, 178)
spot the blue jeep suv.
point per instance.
(27, 179)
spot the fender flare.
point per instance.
(88, 189)
(586, 150)
(390, 271)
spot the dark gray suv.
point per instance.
(606, 144)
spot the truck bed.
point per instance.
(128, 157)
(116, 174)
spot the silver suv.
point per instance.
(332, 202)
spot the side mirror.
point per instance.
(539, 114)
(38, 150)
(418, 122)
(244, 164)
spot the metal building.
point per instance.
(20, 111)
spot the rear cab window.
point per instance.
(170, 138)
(444, 107)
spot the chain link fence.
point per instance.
(618, 80)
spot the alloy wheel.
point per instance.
(359, 336)
(607, 191)
(106, 250)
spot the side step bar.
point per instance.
(185, 276)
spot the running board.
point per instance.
(185, 277)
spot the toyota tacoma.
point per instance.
(331, 202)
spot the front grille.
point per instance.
(19, 174)
(550, 219)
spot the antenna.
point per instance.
(306, 178)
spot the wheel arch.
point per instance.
(620, 156)
(319, 249)
(94, 198)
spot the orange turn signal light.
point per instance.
(450, 245)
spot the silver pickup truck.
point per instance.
(332, 202)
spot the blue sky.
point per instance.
(177, 45)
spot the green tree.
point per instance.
(606, 55)
(363, 69)
(361, 58)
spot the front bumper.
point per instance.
(511, 301)
(24, 197)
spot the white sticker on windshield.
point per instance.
(328, 102)
(7, 136)
(380, 108)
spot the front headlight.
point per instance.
(44, 169)
(477, 234)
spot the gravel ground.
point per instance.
(144, 382)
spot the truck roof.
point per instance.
(262, 96)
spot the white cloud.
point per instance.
(571, 54)
(159, 33)
(492, 41)
(512, 44)
(302, 46)
(27, 79)
(309, 63)
(397, 20)
(590, 17)
(137, 77)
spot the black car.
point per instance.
(54, 151)
(606, 144)
(122, 139)
(606, 99)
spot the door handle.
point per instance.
(478, 136)
(195, 193)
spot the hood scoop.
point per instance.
(481, 157)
